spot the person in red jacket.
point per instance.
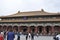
(1, 36)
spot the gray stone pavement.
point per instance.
(23, 37)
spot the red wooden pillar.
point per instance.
(28, 30)
(52, 30)
(58, 29)
(2, 28)
(20, 28)
(44, 30)
(36, 29)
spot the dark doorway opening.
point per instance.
(40, 29)
(48, 28)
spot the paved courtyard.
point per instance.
(23, 37)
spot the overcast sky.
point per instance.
(8, 7)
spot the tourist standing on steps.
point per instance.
(10, 35)
(29, 35)
(26, 36)
(5, 35)
(1, 36)
(32, 36)
(18, 35)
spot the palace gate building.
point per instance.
(44, 23)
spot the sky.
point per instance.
(8, 7)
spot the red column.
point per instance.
(59, 29)
(20, 28)
(44, 30)
(29, 30)
(2, 28)
(52, 30)
(36, 29)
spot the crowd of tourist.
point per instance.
(11, 35)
